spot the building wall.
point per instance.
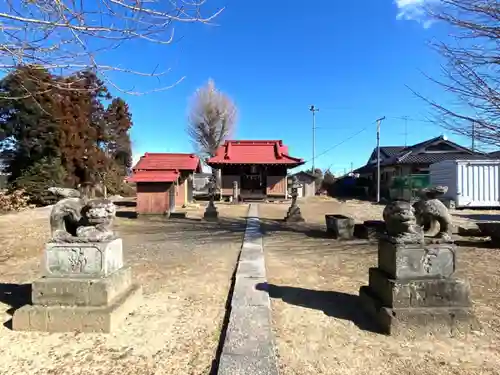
(310, 189)
(276, 186)
(154, 197)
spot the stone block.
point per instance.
(418, 321)
(406, 261)
(89, 259)
(81, 291)
(250, 292)
(249, 332)
(252, 268)
(340, 226)
(77, 318)
(418, 293)
(233, 364)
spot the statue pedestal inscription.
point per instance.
(84, 285)
(413, 291)
(92, 259)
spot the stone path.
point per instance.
(248, 342)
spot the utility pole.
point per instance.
(352, 166)
(313, 109)
(473, 134)
(379, 121)
(406, 130)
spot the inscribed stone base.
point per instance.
(52, 291)
(87, 259)
(416, 321)
(406, 261)
(418, 292)
(103, 319)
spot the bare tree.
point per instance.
(471, 72)
(69, 36)
(211, 120)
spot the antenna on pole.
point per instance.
(313, 109)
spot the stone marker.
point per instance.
(340, 226)
(412, 290)
(294, 215)
(236, 193)
(84, 285)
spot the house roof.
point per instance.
(304, 173)
(254, 152)
(154, 176)
(166, 161)
(417, 154)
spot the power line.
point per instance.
(340, 143)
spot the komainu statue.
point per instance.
(401, 223)
(77, 219)
(432, 214)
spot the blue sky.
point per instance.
(351, 59)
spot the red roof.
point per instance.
(154, 176)
(254, 152)
(164, 161)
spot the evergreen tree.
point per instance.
(62, 133)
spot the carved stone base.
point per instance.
(86, 259)
(415, 321)
(79, 304)
(294, 215)
(416, 260)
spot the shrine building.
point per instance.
(259, 167)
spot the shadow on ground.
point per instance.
(335, 304)
(14, 296)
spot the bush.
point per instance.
(15, 201)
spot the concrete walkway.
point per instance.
(249, 343)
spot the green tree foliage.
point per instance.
(328, 181)
(36, 179)
(65, 126)
(119, 121)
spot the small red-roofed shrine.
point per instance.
(164, 181)
(259, 167)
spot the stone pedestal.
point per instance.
(211, 213)
(294, 215)
(84, 288)
(412, 291)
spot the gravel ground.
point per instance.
(318, 321)
(184, 266)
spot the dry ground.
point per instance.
(184, 266)
(319, 326)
